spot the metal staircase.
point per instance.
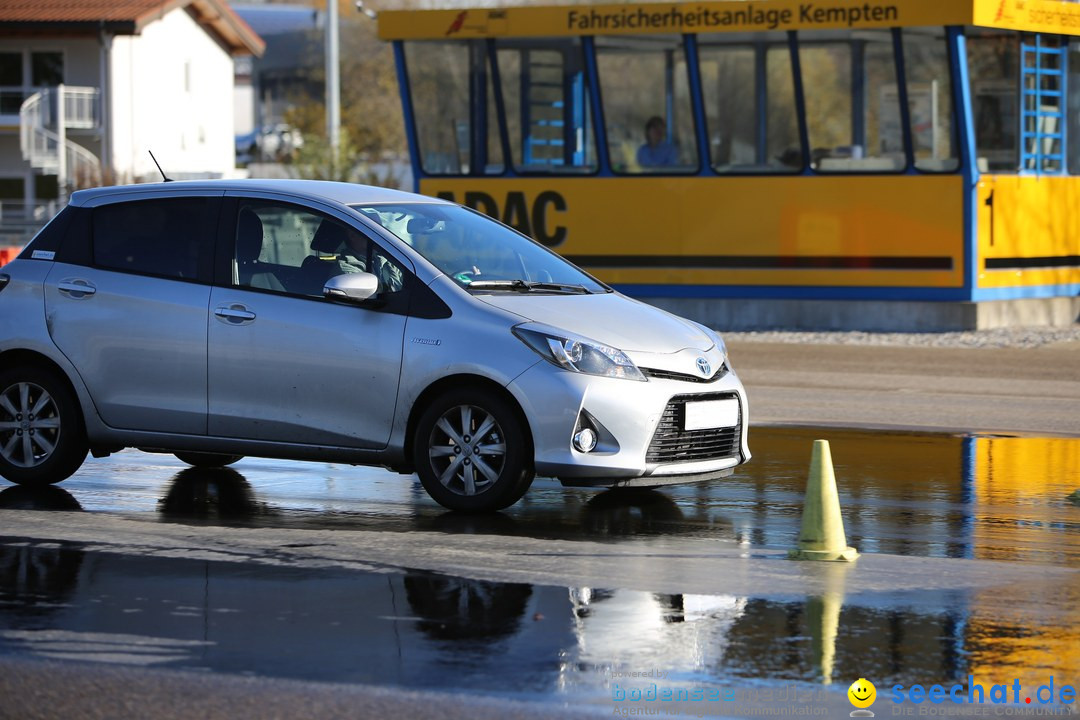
(1042, 124)
(542, 108)
(554, 109)
(44, 119)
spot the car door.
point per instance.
(286, 364)
(127, 302)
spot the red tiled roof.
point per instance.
(130, 16)
(80, 10)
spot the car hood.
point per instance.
(610, 318)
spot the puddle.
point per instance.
(998, 498)
(431, 631)
(907, 494)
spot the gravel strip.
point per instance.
(1014, 337)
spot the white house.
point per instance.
(107, 82)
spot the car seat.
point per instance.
(328, 245)
(249, 243)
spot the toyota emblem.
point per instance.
(704, 366)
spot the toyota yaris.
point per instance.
(327, 321)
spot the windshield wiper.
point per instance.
(528, 286)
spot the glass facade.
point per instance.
(742, 103)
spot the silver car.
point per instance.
(327, 321)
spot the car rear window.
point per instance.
(153, 237)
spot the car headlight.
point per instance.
(578, 354)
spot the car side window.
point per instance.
(288, 248)
(164, 237)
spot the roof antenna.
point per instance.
(164, 178)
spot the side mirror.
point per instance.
(351, 287)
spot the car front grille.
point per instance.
(672, 444)
(683, 377)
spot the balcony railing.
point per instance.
(42, 133)
(19, 221)
(82, 105)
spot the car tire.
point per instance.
(465, 472)
(208, 460)
(42, 436)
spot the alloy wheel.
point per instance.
(29, 424)
(467, 450)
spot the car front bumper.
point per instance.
(641, 442)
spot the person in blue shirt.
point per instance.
(657, 150)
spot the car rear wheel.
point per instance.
(471, 452)
(42, 438)
(208, 460)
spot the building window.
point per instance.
(929, 89)
(994, 66)
(646, 95)
(46, 69)
(548, 113)
(1072, 86)
(454, 102)
(24, 73)
(750, 111)
(852, 103)
(11, 82)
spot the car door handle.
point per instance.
(76, 288)
(234, 314)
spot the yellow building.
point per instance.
(882, 164)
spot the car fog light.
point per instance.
(585, 440)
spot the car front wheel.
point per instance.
(42, 439)
(471, 452)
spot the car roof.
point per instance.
(344, 193)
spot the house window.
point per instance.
(12, 188)
(46, 187)
(24, 73)
(46, 69)
(11, 80)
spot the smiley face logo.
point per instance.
(862, 694)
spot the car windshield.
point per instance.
(477, 252)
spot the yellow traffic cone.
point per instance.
(822, 536)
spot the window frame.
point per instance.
(760, 50)
(683, 171)
(692, 50)
(225, 251)
(595, 122)
(206, 248)
(978, 34)
(26, 86)
(857, 61)
(905, 104)
(474, 49)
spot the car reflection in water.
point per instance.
(210, 494)
(49, 497)
(410, 629)
(981, 498)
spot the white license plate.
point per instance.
(711, 414)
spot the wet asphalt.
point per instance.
(989, 517)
